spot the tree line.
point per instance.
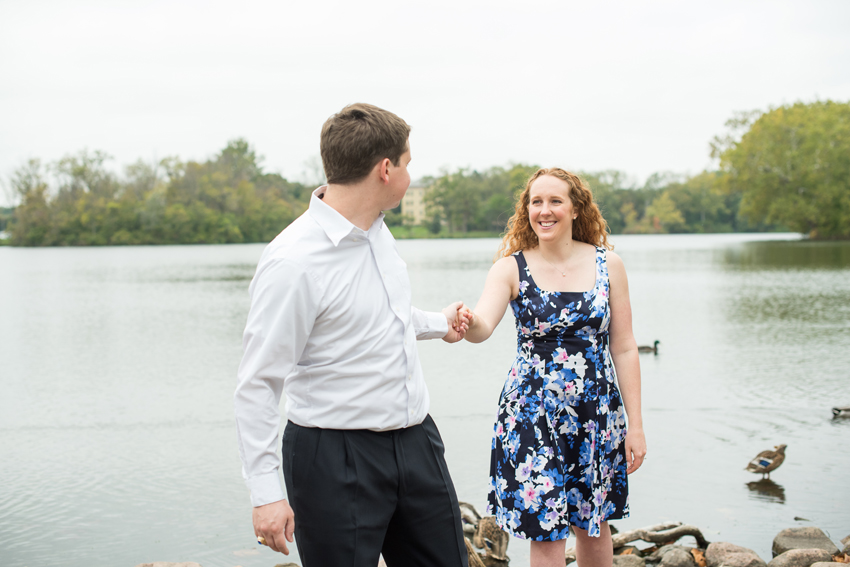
(226, 199)
(784, 169)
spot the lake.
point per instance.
(117, 369)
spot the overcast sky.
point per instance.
(640, 86)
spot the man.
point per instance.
(332, 325)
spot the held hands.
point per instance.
(635, 449)
(274, 522)
(459, 318)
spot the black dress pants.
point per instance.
(358, 493)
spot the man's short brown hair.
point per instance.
(359, 136)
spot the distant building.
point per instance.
(413, 204)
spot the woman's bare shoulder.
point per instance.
(505, 265)
(616, 268)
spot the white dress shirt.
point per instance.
(330, 324)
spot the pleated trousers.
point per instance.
(357, 494)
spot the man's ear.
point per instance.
(384, 170)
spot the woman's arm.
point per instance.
(501, 286)
(625, 355)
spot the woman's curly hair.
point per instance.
(588, 226)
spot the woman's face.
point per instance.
(550, 210)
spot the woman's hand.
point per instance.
(635, 449)
(457, 320)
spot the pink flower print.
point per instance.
(499, 429)
(546, 484)
(529, 494)
(561, 356)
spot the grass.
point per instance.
(411, 232)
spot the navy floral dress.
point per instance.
(558, 454)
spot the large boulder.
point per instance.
(800, 558)
(846, 543)
(678, 557)
(723, 554)
(802, 538)
(629, 561)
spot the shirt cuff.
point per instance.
(265, 489)
(436, 326)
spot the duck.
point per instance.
(841, 412)
(486, 535)
(653, 349)
(767, 461)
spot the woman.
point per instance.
(561, 452)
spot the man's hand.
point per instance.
(276, 523)
(456, 316)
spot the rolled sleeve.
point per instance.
(284, 303)
(429, 324)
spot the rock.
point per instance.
(830, 564)
(169, 564)
(673, 556)
(629, 561)
(677, 557)
(846, 543)
(802, 538)
(800, 558)
(723, 554)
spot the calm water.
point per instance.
(117, 367)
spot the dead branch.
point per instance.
(666, 533)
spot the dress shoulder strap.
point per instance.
(602, 265)
(522, 266)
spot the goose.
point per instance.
(653, 349)
(767, 461)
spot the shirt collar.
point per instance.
(333, 223)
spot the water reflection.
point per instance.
(767, 490)
(801, 254)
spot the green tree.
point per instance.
(31, 220)
(792, 167)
